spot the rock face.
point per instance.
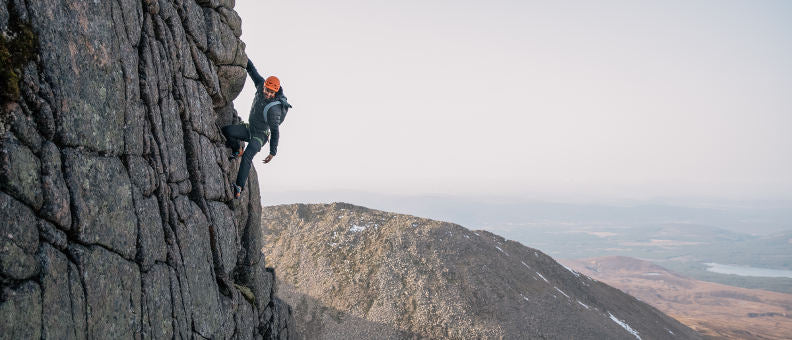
(352, 272)
(116, 211)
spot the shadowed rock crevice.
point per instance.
(115, 184)
(318, 320)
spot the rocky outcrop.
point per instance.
(115, 197)
(348, 270)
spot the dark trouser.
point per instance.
(240, 132)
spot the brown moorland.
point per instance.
(714, 310)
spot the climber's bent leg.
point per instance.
(235, 133)
(247, 160)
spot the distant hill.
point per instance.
(353, 272)
(712, 309)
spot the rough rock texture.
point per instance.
(116, 214)
(352, 272)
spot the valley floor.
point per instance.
(712, 309)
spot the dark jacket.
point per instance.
(259, 123)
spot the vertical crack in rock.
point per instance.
(77, 302)
(114, 180)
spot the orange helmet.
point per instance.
(272, 83)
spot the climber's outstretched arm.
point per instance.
(258, 80)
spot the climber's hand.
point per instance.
(268, 159)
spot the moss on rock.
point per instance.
(247, 293)
(18, 46)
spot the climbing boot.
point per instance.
(237, 153)
(237, 191)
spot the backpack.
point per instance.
(285, 106)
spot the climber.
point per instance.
(267, 113)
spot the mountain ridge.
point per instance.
(434, 279)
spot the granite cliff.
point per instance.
(117, 214)
(353, 272)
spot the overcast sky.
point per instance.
(614, 99)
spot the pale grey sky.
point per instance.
(616, 99)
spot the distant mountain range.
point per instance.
(715, 310)
(483, 211)
(353, 272)
(683, 248)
